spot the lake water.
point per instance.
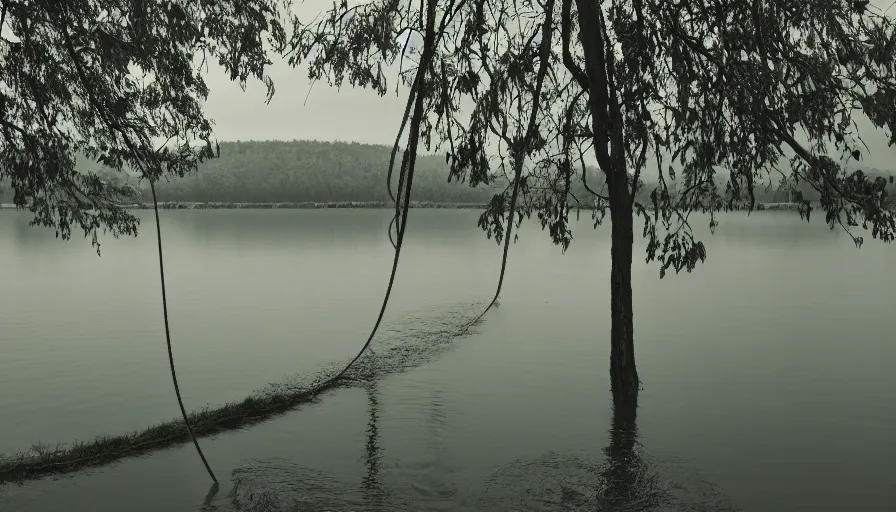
(769, 381)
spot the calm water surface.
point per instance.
(768, 372)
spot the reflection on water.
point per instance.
(629, 479)
(626, 479)
(375, 493)
(279, 485)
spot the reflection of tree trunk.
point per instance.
(437, 420)
(625, 475)
(372, 487)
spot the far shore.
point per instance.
(307, 205)
(186, 205)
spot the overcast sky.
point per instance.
(354, 114)
(346, 115)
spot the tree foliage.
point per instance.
(717, 100)
(120, 81)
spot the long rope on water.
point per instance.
(408, 166)
(180, 401)
(519, 155)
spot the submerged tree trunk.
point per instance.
(623, 372)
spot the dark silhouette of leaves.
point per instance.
(713, 98)
(120, 83)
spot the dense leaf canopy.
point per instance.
(714, 101)
(717, 100)
(120, 81)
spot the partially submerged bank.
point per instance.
(411, 342)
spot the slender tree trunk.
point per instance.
(609, 149)
(623, 372)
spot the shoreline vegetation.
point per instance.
(305, 174)
(173, 205)
(360, 205)
(370, 205)
(418, 339)
(43, 460)
(304, 205)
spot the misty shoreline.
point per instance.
(370, 205)
(304, 205)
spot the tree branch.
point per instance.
(595, 67)
(565, 29)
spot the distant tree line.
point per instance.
(314, 171)
(311, 171)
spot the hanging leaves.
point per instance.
(718, 92)
(113, 81)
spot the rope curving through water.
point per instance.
(406, 178)
(180, 401)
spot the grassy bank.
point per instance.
(414, 341)
(42, 460)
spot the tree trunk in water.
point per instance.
(607, 124)
(623, 372)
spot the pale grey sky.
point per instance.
(355, 114)
(349, 115)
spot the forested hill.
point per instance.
(322, 172)
(310, 171)
(328, 172)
